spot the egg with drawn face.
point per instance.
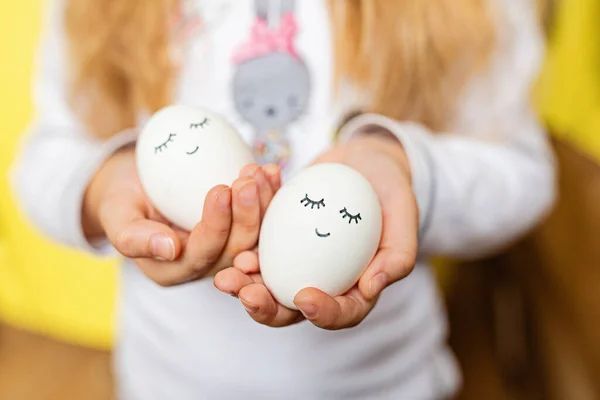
(182, 153)
(321, 230)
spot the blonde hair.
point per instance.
(412, 56)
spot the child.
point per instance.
(429, 101)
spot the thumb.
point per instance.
(388, 266)
(136, 236)
(397, 254)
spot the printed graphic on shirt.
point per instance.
(271, 83)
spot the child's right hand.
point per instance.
(116, 207)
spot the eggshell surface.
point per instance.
(321, 230)
(181, 154)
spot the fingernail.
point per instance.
(377, 284)
(271, 169)
(248, 194)
(249, 307)
(308, 310)
(224, 199)
(259, 175)
(162, 247)
(250, 170)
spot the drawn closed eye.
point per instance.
(200, 124)
(160, 148)
(346, 214)
(308, 202)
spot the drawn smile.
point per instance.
(323, 235)
(193, 152)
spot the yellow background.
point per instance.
(569, 89)
(42, 287)
(70, 296)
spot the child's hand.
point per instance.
(115, 206)
(383, 162)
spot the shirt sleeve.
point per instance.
(491, 179)
(57, 157)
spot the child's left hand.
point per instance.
(383, 162)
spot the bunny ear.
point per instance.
(286, 7)
(261, 8)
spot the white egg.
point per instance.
(182, 153)
(321, 230)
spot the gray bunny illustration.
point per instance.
(271, 85)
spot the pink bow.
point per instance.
(265, 40)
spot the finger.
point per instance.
(246, 218)
(208, 239)
(249, 170)
(397, 255)
(247, 262)
(231, 281)
(333, 313)
(133, 235)
(273, 173)
(265, 192)
(148, 239)
(262, 307)
(182, 235)
(163, 273)
(168, 273)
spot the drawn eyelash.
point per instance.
(351, 217)
(308, 202)
(200, 125)
(159, 149)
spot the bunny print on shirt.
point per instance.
(271, 83)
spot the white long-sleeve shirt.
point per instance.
(478, 187)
